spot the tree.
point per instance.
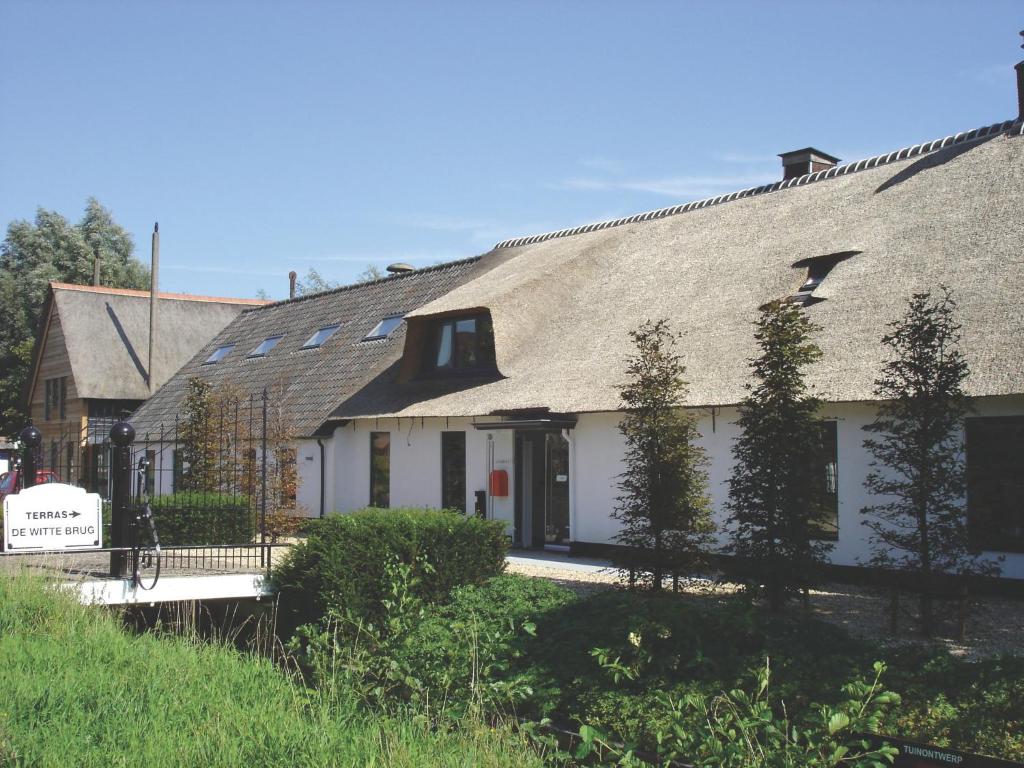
(198, 436)
(313, 282)
(34, 253)
(664, 506)
(917, 469)
(777, 488)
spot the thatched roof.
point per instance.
(106, 332)
(946, 212)
(307, 383)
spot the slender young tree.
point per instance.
(198, 436)
(777, 490)
(663, 504)
(917, 471)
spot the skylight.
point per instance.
(384, 328)
(318, 338)
(265, 346)
(219, 354)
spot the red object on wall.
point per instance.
(499, 482)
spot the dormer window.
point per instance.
(265, 346)
(818, 268)
(318, 338)
(219, 354)
(384, 328)
(461, 345)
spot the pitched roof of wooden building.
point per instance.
(105, 333)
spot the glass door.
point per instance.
(556, 490)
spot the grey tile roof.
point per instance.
(310, 382)
(562, 303)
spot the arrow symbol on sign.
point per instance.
(76, 514)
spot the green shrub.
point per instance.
(197, 518)
(341, 565)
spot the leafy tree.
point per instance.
(372, 272)
(198, 436)
(664, 506)
(313, 282)
(36, 252)
(919, 523)
(777, 488)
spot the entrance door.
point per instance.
(542, 490)
(556, 490)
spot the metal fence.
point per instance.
(220, 480)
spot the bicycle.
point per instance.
(145, 551)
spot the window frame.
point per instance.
(375, 334)
(256, 351)
(483, 347)
(380, 484)
(310, 341)
(228, 349)
(820, 529)
(446, 457)
(984, 535)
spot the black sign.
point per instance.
(914, 755)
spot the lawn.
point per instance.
(80, 690)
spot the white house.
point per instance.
(498, 392)
(507, 386)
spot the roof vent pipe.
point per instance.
(292, 276)
(1020, 85)
(800, 162)
(399, 268)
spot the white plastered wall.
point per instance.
(596, 453)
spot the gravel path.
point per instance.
(995, 625)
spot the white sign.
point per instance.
(52, 516)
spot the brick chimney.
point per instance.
(800, 162)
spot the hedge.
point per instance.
(197, 518)
(342, 563)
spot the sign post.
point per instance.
(52, 516)
(31, 438)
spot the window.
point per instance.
(150, 473)
(177, 471)
(56, 395)
(828, 526)
(219, 354)
(287, 477)
(265, 346)
(54, 455)
(995, 482)
(384, 327)
(380, 469)
(461, 344)
(318, 338)
(453, 471)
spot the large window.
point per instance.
(461, 345)
(380, 469)
(453, 470)
(827, 527)
(995, 482)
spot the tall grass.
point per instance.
(78, 690)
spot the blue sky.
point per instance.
(275, 136)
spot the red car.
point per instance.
(9, 480)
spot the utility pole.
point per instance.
(153, 288)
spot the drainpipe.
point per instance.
(323, 469)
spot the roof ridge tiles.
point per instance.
(160, 294)
(1015, 127)
(352, 286)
